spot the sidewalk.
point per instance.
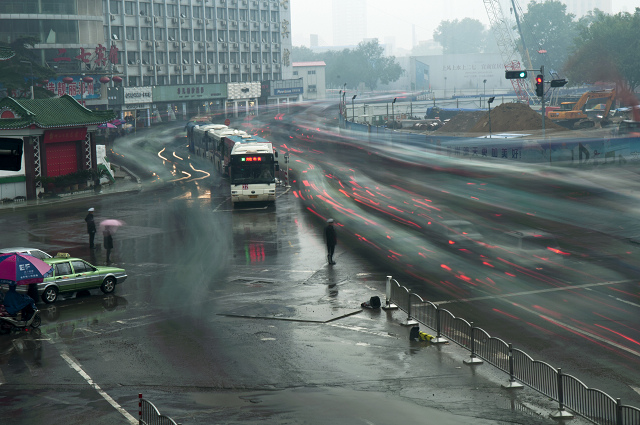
(125, 182)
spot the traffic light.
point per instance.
(539, 85)
(558, 83)
(515, 75)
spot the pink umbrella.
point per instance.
(22, 269)
(110, 223)
(107, 125)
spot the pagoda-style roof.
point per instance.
(6, 53)
(55, 112)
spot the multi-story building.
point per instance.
(214, 47)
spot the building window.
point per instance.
(244, 36)
(275, 37)
(160, 58)
(159, 34)
(147, 58)
(197, 13)
(275, 16)
(133, 82)
(145, 33)
(197, 35)
(243, 15)
(130, 8)
(132, 33)
(222, 36)
(133, 58)
(184, 34)
(116, 33)
(295, 72)
(158, 9)
(184, 11)
(208, 13)
(312, 72)
(233, 36)
(208, 35)
(145, 9)
(172, 34)
(233, 14)
(172, 10)
(114, 7)
(311, 88)
(173, 58)
(221, 13)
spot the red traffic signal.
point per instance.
(540, 85)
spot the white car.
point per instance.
(39, 254)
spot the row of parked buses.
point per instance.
(249, 161)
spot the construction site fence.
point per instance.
(149, 414)
(567, 390)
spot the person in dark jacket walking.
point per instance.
(108, 242)
(331, 239)
(91, 228)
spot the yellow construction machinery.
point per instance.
(574, 115)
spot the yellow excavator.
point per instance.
(573, 115)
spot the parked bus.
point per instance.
(201, 140)
(252, 170)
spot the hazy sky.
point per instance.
(394, 18)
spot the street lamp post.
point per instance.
(393, 115)
(31, 65)
(353, 110)
(489, 102)
(484, 90)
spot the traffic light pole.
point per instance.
(543, 112)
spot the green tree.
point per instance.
(607, 49)
(304, 54)
(364, 64)
(465, 36)
(370, 64)
(547, 27)
(16, 75)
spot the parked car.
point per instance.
(74, 274)
(39, 254)
(530, 248)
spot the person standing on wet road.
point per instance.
(91, 228)
(331, 239)
(108, 243)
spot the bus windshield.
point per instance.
(247, 173)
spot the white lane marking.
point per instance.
(74, 365)
(538, 291)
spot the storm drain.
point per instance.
(251, 281)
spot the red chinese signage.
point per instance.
(97, 58)
(65, 135)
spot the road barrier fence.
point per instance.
(149, 415)
(567, 390)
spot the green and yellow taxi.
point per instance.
(74, 274)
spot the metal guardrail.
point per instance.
(149, 414)
(567, 390)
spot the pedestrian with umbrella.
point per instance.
(21, 269)
(108, 228)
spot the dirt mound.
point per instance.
(504, 117)
(513, 117)
(462, 122)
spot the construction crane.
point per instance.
(508, 48)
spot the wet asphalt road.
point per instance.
(229, 317)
